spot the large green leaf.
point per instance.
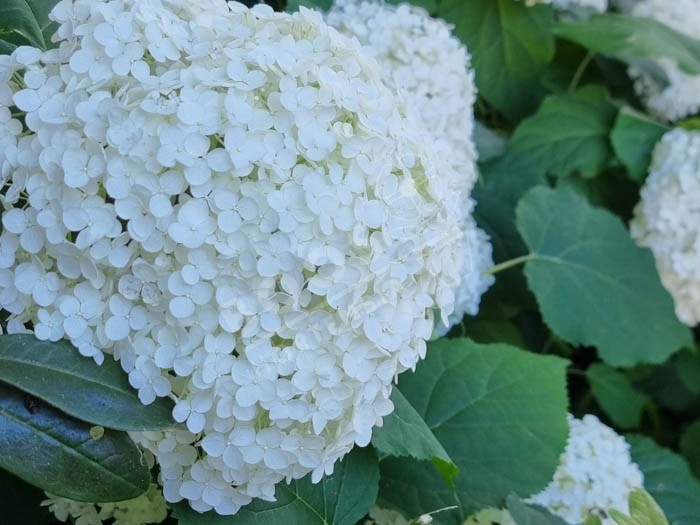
(26, 22)
(524, 514)
(503, 181)
(486, 404)
(510, 45)
(58, 374)
(690, 446)
(615, 394)
(633, 138)
(593, 284)
(631, 38)
(569, 133)
(56, 452)
(668, 479)
(405, 434)
(340, 499)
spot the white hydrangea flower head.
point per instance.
(595, 474)
(667, 219)
(231, 203)
(145, 509)
(670, 93)
(422, 60)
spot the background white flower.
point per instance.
(667, 218)
(233, 204)
(669, 92)
(595, 474)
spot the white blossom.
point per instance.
(667, 219)
(233, 204)
(430, 68)
(146, 509)
(595, 474)
(668, 90)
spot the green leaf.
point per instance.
(510, 45)
(26, 22)
(569, 133)
(668, 479)
(633, 138)
(643, 510)
(486, 404)
(616, 396)
(592, 519)
(55, 452)
(502, 183)
(593, 284)
(690, 446)
(58, 374)
(321, 5)
(524, 514)
(405, 434)
(340, 499)
(628, 38)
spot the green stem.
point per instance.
(509, 264)
(580, 70)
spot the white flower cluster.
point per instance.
(595, 474)
(667, 219)
(565, 5)
(232, 203)
(430, 68)
(148, 508)
(670, 92)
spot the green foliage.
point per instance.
(690, 447)
(486, 404)
(569, 133)
(633, 138)
(615, 394)
(20, 502)
(26, 22)
(668, 479)
(504, 180)
(340, 499)
(405, 434)
(510, 44)
(594, 286)
(58, 374)
(524, 514)
(322, 5)
(630, 39)
(55, 452)
(643, 511)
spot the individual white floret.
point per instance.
(595, 474)
(233, 204)
(667, 218)
(146, 509)
(421, 59)
(670, 92)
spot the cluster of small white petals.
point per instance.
(667, 219)
(145, 509)
(669, 92)
(232, 203)
(595, 474)
(422, 60)
(565, 5)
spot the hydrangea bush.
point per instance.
(351, 261)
